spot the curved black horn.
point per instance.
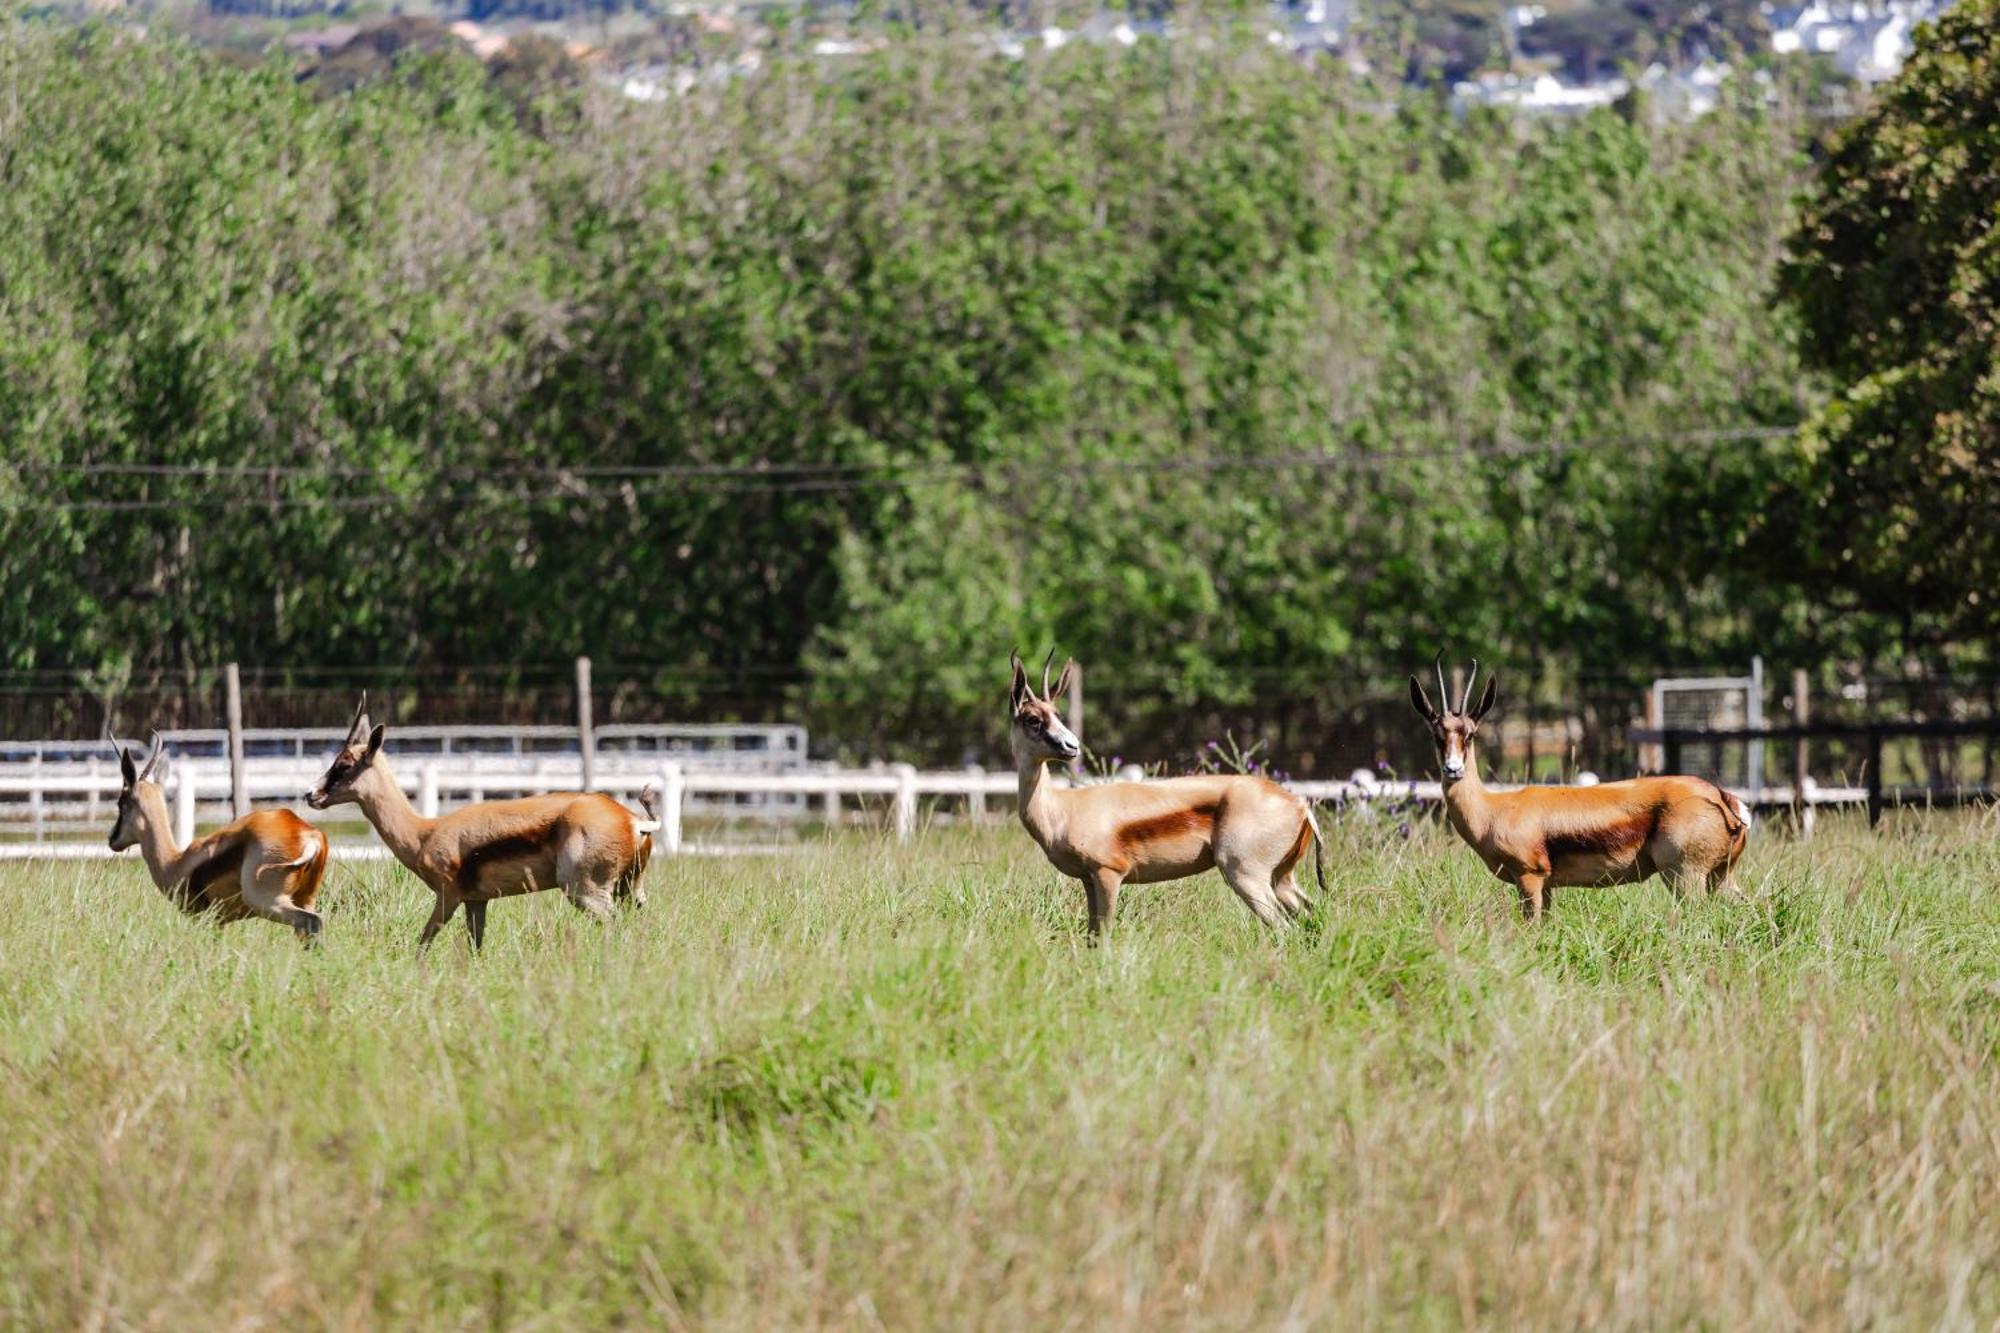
(1466, 701)
(1047, 662)
(360, 712)
(152, 759)
(1444, 691)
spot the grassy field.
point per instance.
(865, 1086)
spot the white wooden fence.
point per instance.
(436, 786)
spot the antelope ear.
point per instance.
(1064, 681)
(1486, 699)
(126, 768)
(1018, 688)
(374, 741)
(1421, 701)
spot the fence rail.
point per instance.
(675, 788)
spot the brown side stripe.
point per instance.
(1619, 838)
(1199, 819)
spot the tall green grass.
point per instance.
(864, 1085)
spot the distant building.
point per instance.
(1866, 40)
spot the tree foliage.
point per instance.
(1201, 362)
(1894, 271)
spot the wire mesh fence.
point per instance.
(1549, 725)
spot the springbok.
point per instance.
(1540, 839)
(267, 864)
(1117, 833)
(585, 843)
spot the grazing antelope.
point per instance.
(1119, 833)
(267, 864)
(587, 844)
(1543, 838)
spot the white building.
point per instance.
(1866, 39)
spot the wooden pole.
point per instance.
(906, 802)
(1801, 714)
(1654, 757)
(586, 741)
(673, 799)
(183, 783)
(239, 781)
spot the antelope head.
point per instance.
(131, 814)
(1039, 733)
(1453, 729)
(356, 757)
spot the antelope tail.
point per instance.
(1319, 849)
(313, 845)
(1736, 817)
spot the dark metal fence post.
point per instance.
(1874, 776)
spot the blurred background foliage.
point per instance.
(814, 392)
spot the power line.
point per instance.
(636, 481)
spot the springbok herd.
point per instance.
(269, 864)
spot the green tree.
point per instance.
(1894, 272)
(814, 391)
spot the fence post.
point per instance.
(184, 804)
(1753, 753)
(427, 792)
(1670, 749)
(239, 781)
(1801, 714)
(673, 791)
(906, 801)
(1874, 776)
(1653, 758)
(975, 802)
(586, 741)
(35, 794)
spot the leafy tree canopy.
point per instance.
(1894, 272)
